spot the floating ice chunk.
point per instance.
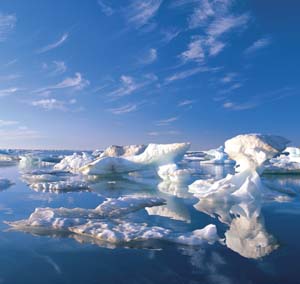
(154, 155)
(59, 186)
(250, 151)
(125, 151)
(74, 162)
(62, 218)
(124, 232)
(161, 154)
(171, 173)
(288, 163)
(97, 153)
(5, 183)
(217, 156)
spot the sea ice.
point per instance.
(74, 162)
(154, 155)
(59, 186)
(217, 156)
(123, 151)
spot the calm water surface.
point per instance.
(31, 258)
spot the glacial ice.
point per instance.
(216, 156)
(74, 162)
(173, 174)
(154, 155)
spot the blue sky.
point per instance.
(87, 74)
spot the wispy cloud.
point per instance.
(128, 85)
(215, 20)
(53, 104)
(188, 73)
(7, 25)
(166, 122)
(239, 106)
(9, 91)
(163, 133)
(186, 103)
(124, 109)
(228, 78)
(149, 57)
(55, 67)
(8, 122)
(105, 8)
(20, 133)
(259, 44)
(195, 51)
(9, 77)
(54, 45)
(139, 13)
(75, 83)
(170, 34)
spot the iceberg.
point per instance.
(154, 155)
(287, 163)
(173, 174)
(74, 162)
(217, 156)
(123, 151)
(250, 151)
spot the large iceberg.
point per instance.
(154, 155)
(123, 151)
(250, 151)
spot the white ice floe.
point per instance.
(123, 151)
(172, 173)
(154, 155)
(124, 232)
(5, 183)
(287, 163)
(249, 151)
(59, 186)
(74, 162)
(101, 223)
(33, 160)
(217, 156)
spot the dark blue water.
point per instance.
(36, 258)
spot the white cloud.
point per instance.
(55, 44)
(124, 109)
(8, 122)
(149, 57)
(201, 14)
(259, 44)
(163, 133)
(185, 103)
(105, 8)
(225, 24)
(9, 91)
(55, 67)
(228, 78)
(195, 51)
(49, 104)
(139, 13)
(188, 73)
(168, 121)
(239, 106)
(7, 25)
(170, 34)
(129, 85)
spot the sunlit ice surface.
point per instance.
(149, 222)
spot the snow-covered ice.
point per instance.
(74, 162)
(217, 156)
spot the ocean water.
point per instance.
(56, 257)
